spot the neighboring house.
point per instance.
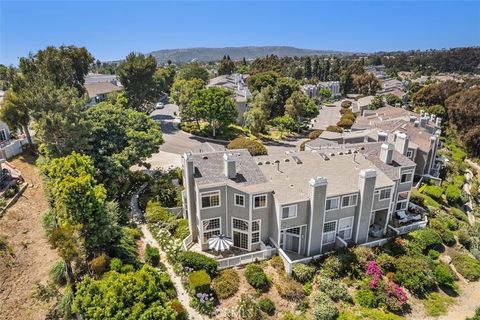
(9, 147)
(312, 90)
(236, 84)
(304, 204)
(383, 125)
(361, 105)
(98, 86)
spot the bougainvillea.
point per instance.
(396, 297)
(375, 272)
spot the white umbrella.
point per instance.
(220, 243)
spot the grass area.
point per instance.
(437, 304)
(361, 313)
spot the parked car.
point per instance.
(159, 105)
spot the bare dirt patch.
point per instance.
(32, 256)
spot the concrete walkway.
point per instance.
(182, 294)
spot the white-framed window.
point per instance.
(239, 200)
(3, 135)
(260, 201)
(345, 227)
(210, 228)
(403, 196)
(402, 205)
(349, 201)
(240, 224)
(289, 212)
(329, 232)
(385, 194)
(210, 199)
(410, 153)
(256, 231)
(332, 204)
(295, 230)
(407, 176)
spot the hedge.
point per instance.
(334, 129)
(198, 261)
(315, 134)
(454, 194)
(346, 104)
(155, 213)
(254, 147)
(415, 274)
(467, 266)
(345, 123)
(423, 239)
(434, 192)
(199, 282)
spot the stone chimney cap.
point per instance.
(318, 181)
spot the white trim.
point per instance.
(349, 196)
(259, 231)
(351, 227)
(202, 231)
(289, 206)
(260, 195)
(329, 232)
(235, 200)
(207, 192)
(331, 198)
(299, 236)
(247, 232)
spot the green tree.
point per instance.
(164, 78)
(346, 82)
(143, 294)
(214, 105)
(260, 80)
(392, 99)
(255, 120)
(193, 71)
(284, 88)
(376, 103)
(120, 138)
(226, 66)
(366, 84)
(284, 124)
(15, 114)
(136, 74)
(267, 101)
(325, 93)
(307, 68)
(300, 106)
(183, 91)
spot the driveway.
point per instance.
(327, 116)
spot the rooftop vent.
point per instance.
(287, 160)
(204, 157)
(297, 160)
(324, 156)
(332, 154)
(267, 162)
(355, 151)
(259, 163)
(277, 161)
(340, 153)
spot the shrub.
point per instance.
(444, 276)
(332, 267)
(303, 273)
(453, 194)
(290, 316)
(155, 213)
(134, 232)
(414, 273)
(447, 236)
(458, 181)
(346, 104)
(58, 273)
(99, 264)
(203, 303)
(226, 284)
(289, 289)
(344, 123)
(459, 214)
(476, 316)
(417, 197)
(437, 304)
(386, 262)
(334, 129)
(267, 306)
(179, 309)
(115, 265)
(420, 240)
(323, 307)
(366, 298)
(255, 276)
(199, 282)
(433, 254)
(254, 147)
(395, 297)
(314, 134)
(198, 261)
(334, 289)
(277, 263)
(434, 191)
(182, 230)
(464, 238)
(152, 256)
(467, 266)
(247, 309)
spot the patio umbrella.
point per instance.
(219, 243)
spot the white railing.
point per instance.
(376, 243)
(410, 227)
(187, 242)
(246, 258)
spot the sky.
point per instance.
(112, 29)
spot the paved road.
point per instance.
(327, 116)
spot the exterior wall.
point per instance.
(265, 215)
(366, 185)
(318, 191)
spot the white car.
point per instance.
(159, 105)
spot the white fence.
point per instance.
(410, 227)
(376, 243)
(187, 242)
(246, 258)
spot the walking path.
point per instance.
(182, 294)
(137, 217)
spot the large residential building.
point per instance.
(98, 86)
(303, 204)
(236, 84)
(384, 125)
(312, 90)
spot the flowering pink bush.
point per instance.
(375, 272)
(396, 297)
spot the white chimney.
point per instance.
(423, 122)
(386, 153)
(438, 122)
(416, 123)
(229, 166)
(401, 143)
(382, 136)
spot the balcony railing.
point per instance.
(246, 258)
(410, 227)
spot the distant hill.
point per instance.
(236, 53)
